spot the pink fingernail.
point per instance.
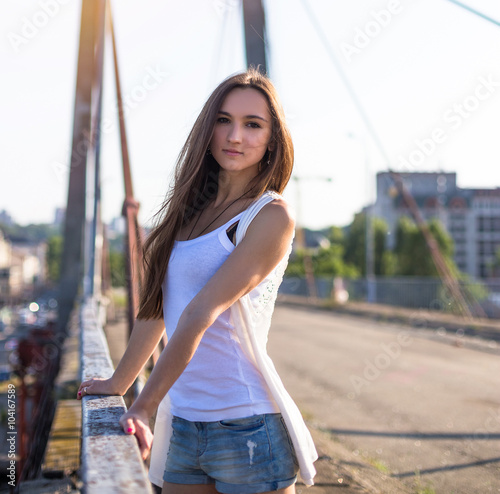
(130, 429)
(79, 393)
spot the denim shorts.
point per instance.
(240, 456)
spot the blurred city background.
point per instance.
(394, 110)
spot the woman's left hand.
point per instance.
(137, 423)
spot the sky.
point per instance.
(427, 74)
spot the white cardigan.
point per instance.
(252, 319)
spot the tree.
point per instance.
(30, 233)
(327, 261)
(117, 268)
(355, 245)
(295, 267)
(54, 253)
(413, 257)
(336, 235)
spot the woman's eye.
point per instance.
(252, 125)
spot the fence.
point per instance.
(404, 291)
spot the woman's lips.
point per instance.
(231, 152)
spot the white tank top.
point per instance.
(220, 382)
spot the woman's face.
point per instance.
(242, 131)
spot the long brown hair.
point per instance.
(196, 181)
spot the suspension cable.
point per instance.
(476, 12)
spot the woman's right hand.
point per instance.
(97, 386)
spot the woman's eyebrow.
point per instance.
(247, 116)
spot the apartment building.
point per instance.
(471, 216)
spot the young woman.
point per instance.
(213, 265)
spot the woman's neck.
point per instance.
(231, 187)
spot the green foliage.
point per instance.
(30, 233)
(389, 264)
(474, 292)
(120, 298)
(336, 235)
(54, 256)
(116, 243)
(355, 245)
(380, 229)
(327, 261)
(295, 266)
(355, 252)
(117, 268)
(346, 255)
(420, 487)
(412, 253)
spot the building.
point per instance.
(23, 267)
(31, 258)
(59, 216)
(6, 218)
(5, 263)
(116, 227)
(471, 216)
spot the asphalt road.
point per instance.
(419, 408)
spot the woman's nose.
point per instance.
(234, 134)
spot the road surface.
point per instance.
(422, 410)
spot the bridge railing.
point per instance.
(110, 459)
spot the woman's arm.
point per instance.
(145, 337)
(264, 245)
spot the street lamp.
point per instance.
(371, 288)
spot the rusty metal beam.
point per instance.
(467, 310)
(134, 235)
(95, 261)
(130, 209)
(72, 268)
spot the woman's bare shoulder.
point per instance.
(280, 210)
(275, 216)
